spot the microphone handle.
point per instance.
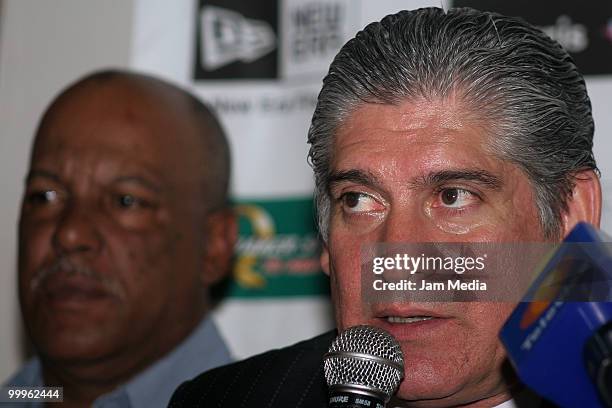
(597, 356)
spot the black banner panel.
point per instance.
(236, 39)
(583, 29)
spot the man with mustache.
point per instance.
(432, 126)
(124, 226)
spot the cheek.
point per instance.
(485, 322)
(143, 263)
(519, 223)
(345, 268)
(35, 248)
(519, 215)
(35, 239)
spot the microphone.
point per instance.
(363, 368)
(559, 338)
(598, 358)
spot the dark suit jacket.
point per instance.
(291, 377)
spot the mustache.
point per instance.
(68, 267)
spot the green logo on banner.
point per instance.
(278, 250)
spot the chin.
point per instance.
(81, 346)
(440, 382)
(426, 390)
(79, 340)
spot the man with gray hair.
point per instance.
(433, 126)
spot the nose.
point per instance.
(76, 232)
(404, 225)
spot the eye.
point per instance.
(129, 201)
(455, 197)
(357, 202)
(39, 197)
(133, 210)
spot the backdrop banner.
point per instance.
(260, 66)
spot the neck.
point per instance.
(488, 402)
(86, 379)
(517, 392)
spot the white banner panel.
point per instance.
(260, 66)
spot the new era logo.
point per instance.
(228, 36)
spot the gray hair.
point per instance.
(523, 83)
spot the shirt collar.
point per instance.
(506, 404)
(202, 350)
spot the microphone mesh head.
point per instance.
(380, 371)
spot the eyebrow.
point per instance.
(122, 179)
(368, 179)
(139, 180)
(365, 178)
(479, 176)
(42, 173)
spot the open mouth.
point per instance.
(404, 320)
(413, 322)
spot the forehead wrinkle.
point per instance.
(446, 113)
(142, 110)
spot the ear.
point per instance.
(325, 259)
(585, 202)
(221, 235)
